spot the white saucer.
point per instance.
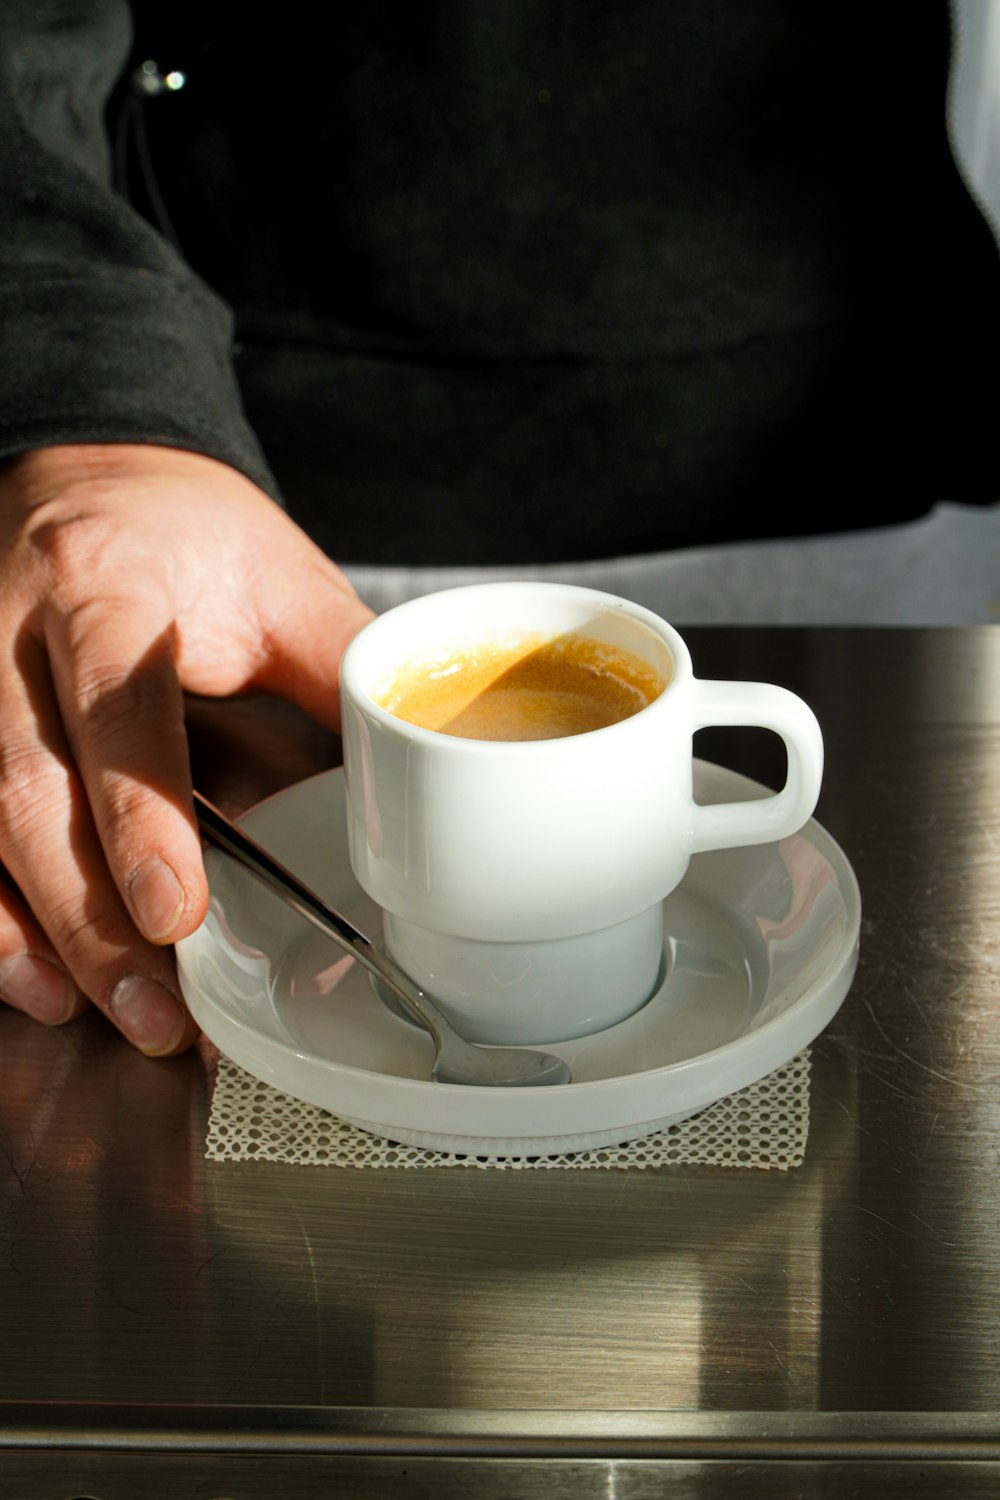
(760, 950)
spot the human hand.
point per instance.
(130, 574)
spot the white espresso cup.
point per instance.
(522, 881)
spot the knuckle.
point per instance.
(67, 537)
(105, 695)
(33, 786)
(112, 695)
(134, 824)
(85, 621)
(81, 936)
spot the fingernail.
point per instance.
(157, 899)
(149, 1015)
(38, 987)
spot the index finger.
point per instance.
(115, 678)
(54, 857)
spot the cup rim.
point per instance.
(352, 687)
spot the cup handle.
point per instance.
(731, 825)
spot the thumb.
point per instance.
(305, 638)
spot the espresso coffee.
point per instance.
(533, 689)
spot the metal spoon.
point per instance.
(456, 1060)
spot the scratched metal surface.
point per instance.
(213, 1477)
(134, 1274)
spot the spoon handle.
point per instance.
(217, 829)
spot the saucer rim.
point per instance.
(685, 1086)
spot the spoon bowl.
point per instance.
(461, 1061)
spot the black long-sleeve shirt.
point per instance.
(513, 281)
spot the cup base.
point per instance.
(393, 1006)
(527, 994)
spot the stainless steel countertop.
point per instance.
(723, 1330)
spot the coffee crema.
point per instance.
(533, 689)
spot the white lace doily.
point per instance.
(763, 1126)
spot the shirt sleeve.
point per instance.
(106, 335)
